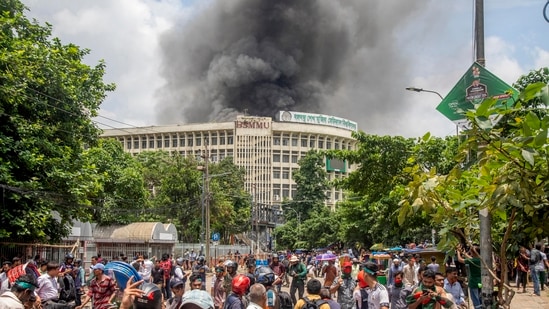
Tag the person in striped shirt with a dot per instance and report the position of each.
(102, 289)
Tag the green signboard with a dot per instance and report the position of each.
(473, 87)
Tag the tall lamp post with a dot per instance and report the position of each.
(424, 90)
(415, 89)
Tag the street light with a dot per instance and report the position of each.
(297, 214)
(424, 90)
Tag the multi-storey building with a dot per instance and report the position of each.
(268, 149)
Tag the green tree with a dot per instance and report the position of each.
(307, 211)
(509, 177)
(312, 183)
(47, 96)
(121, 196)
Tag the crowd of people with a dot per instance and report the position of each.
(311, 281)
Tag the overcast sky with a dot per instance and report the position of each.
(427, 44)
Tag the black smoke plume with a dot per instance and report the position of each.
(261, 56)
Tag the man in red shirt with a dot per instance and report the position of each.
(102, 289)
(166, 265)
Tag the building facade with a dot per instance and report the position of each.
(269, 149)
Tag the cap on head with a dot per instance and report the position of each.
(294, 259)
(176, 282)
(371, 268)
(197, 299)
(347, 264)
(99, 266)
(396, 261)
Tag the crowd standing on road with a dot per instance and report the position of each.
(286, 281)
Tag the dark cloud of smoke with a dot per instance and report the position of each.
(260, 56)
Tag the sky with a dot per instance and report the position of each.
(190, 61)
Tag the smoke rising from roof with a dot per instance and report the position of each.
(262, 56)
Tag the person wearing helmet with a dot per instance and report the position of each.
(239, 287)
(231, 268)
(279, 270)
(217, 291)
(266, 276)
(178, 272)
(67, 266)
(200, 269)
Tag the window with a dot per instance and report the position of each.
(136, 142)
(285, 141)
(174, 141)
(294, 159)
(336, 145)
(198, 141)
(222, 139)
(294, 141)
(144, 143)
(320, 144)
(230, 140)
(336, 196)
(276, 158)
(214, 139)
(158, 142)
(129, 144)
(182, 141)
(286, 158)
(166, 142)
(190, 142)
(312, 143)
(285, 175)
(151, 143)
(276, 174)
(328, 143)
(285, 193)
(276, 141)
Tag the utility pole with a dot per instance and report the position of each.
(485, 218)
(207, 201)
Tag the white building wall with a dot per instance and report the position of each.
(267, 149)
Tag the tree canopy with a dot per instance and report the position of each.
(47, 98)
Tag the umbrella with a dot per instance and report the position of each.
(327, 257)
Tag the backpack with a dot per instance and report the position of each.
(364, 299)
(68, 289)
(285, 300)
(313, 304)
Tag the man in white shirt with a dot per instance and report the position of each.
(146, 268)
(409, 274)
(48, 289)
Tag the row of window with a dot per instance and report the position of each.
(174, 141)
(199, 139)
(281, 194)
(310, 141)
